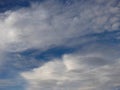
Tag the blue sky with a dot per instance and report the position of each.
(59, 45)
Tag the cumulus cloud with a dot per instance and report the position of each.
(75, 72)
(50, 23)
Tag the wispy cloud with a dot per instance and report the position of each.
(75, 72)
(50, 24)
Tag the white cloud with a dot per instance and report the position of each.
(49, 23)
(74, 72)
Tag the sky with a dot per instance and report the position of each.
(59, 45)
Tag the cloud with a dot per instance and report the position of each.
(7, 82)
(75, 72)
(49, 23)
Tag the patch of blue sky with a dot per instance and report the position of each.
(15, 4)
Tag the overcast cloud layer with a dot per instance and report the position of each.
(91, 26)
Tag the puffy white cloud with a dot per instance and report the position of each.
(75, 72)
